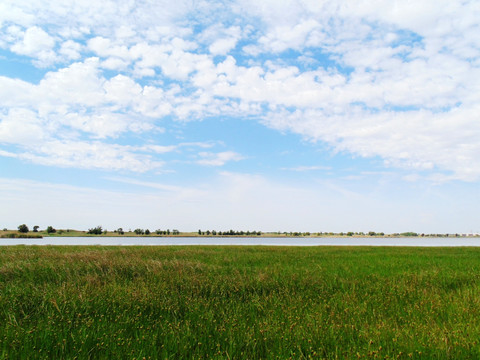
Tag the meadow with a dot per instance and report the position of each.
(239, 302)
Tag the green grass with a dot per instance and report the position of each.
(239, 302)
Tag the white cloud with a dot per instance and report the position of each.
(37, 44)
(113, 63)
(98, 125)
(21, 126)
(222, 46)
(159, 149)
(104, 47)
(10, 12)
(204, 145)
(285, 37)
(90, 155)
(81, 83)
(221, 40)
(124, 32)
(15, 93)
(218, 159)
(399, 81)
(419, 140)
(308, 168)
(122, 90)
(70, 50)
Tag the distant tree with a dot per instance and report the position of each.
(147, 232)
(5, 229)
(120, 231)
(35, 228)
(158, 232)
(372, 233)
(208, 232)
(139, 231)
(199, 232)
(350, 233)
(23, 228)
(50, 230)
(96, 230)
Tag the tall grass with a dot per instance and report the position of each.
(239, 302)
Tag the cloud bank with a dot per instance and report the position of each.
(398, 81)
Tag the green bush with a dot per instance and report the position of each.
(95, 231)
(23, 228)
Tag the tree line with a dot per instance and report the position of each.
(229, 233)
(25, 229)
(98, 230)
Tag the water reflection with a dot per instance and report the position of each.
(283, 241)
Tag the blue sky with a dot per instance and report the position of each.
(271, 115)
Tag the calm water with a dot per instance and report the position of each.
(290, 241)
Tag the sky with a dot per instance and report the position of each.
(272, 115)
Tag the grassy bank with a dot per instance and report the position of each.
(14, 235)
(239, 302)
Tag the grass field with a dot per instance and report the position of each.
(239, 302)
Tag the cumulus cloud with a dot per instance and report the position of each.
(34, 40)
(397, 81)
(221, 40)
(70, 50)
(36, 43)
(21, 127)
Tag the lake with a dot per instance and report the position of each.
(266, 241)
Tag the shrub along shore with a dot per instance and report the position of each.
(239, 302)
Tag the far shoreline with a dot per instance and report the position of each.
(295, 235)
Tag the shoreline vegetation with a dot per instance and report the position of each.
(15, 235)
(99, 231)
(197, 302)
